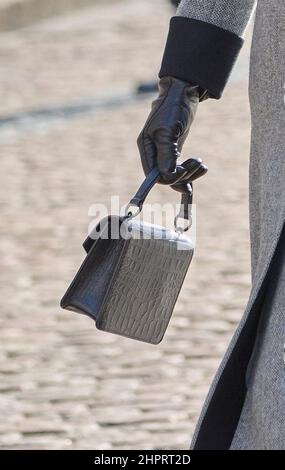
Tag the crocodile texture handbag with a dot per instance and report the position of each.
(133, 272)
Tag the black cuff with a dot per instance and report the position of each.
(201, 53)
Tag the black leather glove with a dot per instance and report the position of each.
(167, 127)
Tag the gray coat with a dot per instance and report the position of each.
(245, 407)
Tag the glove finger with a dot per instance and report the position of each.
(167, 154)
(181, 141)
(191, 166)
(181, 185)
(147, 151)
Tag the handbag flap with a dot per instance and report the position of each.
(88, 288)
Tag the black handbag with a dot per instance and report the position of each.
(133, 272)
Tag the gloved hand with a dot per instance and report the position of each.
(167, 127)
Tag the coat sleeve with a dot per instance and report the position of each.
(204, 40)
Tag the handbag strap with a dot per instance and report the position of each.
(189, 171)
(141, 194)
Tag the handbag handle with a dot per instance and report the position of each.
(141, 194)
(190, 170)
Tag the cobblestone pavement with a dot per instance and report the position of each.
(63, 384)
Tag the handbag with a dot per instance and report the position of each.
(133, 272)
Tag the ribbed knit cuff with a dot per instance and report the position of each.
(200, 53)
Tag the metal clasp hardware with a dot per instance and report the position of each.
(181, 227)
(129, 213)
